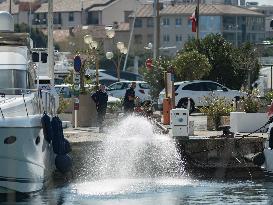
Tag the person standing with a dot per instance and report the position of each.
(100, 98)
(129, 99)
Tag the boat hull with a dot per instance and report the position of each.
(28, 162)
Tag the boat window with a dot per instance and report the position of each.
(11, 78)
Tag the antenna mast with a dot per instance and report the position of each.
(50, 41)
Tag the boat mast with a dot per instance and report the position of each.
(156, 29)
(10, 6)
(50, 41)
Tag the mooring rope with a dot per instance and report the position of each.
(2, 113)
(25, 103)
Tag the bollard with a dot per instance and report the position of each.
(167, 106)
(189, 104)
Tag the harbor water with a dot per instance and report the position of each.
(135, 165)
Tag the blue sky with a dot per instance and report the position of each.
(262, 2)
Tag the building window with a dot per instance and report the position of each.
(138, 23)
(93, 18)
(138, 39)
(189, 23)
(166, 21)
(150, 38)
(178, 37)
(126, 16)
(166, 38)
(190, 37)
(71, 16)
(178, 22)
(150, 22)
(57, 18)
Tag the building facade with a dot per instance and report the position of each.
(71, 13)
(236, 24)
(268, 12)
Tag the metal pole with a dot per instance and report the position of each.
(97, 71)
(236, 30)
(129, 44)
(29, 18)
(271, 77)
(118, 72)
(166, 84)
(249, 79)
(173, 94)
(50, 41)
(10, 6)
(156, 29)
(197, 20)
(76, 118)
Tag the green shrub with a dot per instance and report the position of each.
(215, 107)
(113, 107)
(269, 97)
(63, 105)
(251, 103)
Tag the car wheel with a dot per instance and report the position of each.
(183, 103)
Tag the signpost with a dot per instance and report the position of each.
(77, 63)
(149, 64)
(77, 81)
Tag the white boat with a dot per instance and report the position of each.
(26, 157)
(267, 157)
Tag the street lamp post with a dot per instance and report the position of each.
(121, 50)
(110, 33)
(93, 45)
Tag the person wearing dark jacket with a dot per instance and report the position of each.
(129, 99)
(100, 98)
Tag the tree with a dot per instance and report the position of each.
(191, 65)
(155, 76)
(222, 57)
(38, 37)
(248, 62)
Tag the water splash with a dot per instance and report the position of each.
(133, 150)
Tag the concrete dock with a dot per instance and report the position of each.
(206, 151)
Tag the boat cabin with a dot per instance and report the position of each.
(17, 72)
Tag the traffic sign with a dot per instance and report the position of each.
(76, 106)
(77, 78)
(76, 103)
(76, 93)
(77, 63)
(149, 63)
(76, 87)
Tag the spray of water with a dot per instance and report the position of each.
(132, 159)
(134, 150)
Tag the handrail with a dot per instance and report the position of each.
(45, 100)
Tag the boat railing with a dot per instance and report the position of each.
(48, 102)
(44, 100)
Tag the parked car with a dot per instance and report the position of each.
(109, 76)
(118, 89)
(64, 90)
(196, 91)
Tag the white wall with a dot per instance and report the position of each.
(115, 11)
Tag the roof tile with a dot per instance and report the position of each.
(146, 10)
